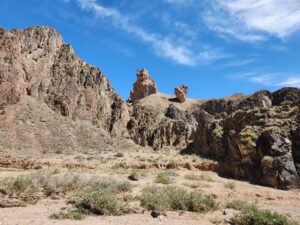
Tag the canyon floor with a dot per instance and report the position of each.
(184, 171)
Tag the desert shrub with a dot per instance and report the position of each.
(253, 216)
(72, 214)
(200, 203)
(136, 174)
(59, 151)
(100, 202)
(236, 204)
(172, 198)
(163, 178)
(119, 154)
(154, 198)
(230, 185)
(218, 131)
(249, 134)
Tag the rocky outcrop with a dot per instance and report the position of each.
(36, 62)
(181, 92)
(257, 141)
(286, 95)
(150, 127)
(144, 86)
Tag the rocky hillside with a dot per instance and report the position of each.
(37, 63)
(50, 99)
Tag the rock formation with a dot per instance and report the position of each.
(36, 62)
(181, 92)
(144, 86)
(256, 139)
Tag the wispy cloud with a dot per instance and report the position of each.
(163, 46)
(270, 79)
(292, 81)
(253, 20)
(238, 63)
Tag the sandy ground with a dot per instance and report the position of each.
(105, 165)
(162, 101)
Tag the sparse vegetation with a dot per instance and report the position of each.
(119, 155)
(294, 110)
(230, 185)
(286, 102)
(163, 119)
(251, 215)
(216, 221)
(218, 131)
(249, 134)
(236, 204)
(51, 182)
(59, 151)
(173, 198)
(163, 178)
(102, 201)
(72, 214)
(135, 175)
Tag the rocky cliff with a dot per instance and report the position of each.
(36, 62)
(256, 137)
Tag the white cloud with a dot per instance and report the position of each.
(290, 82)
(163, 46)
(254, 20)
(270, 79)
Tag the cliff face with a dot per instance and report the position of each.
(255, 137)
(37, 63)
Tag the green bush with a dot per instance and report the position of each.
(100, 202)
(163, 178)
(172, 198)
(251, 215)
(119, 154)
(200, 203)
(218, 131)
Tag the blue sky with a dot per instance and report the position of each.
(216, 47)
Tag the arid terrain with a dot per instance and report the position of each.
(109, 166)
(72, 151)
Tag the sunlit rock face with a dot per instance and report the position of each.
(143, 87)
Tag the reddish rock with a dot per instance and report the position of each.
(181, 92)
(143, 87)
